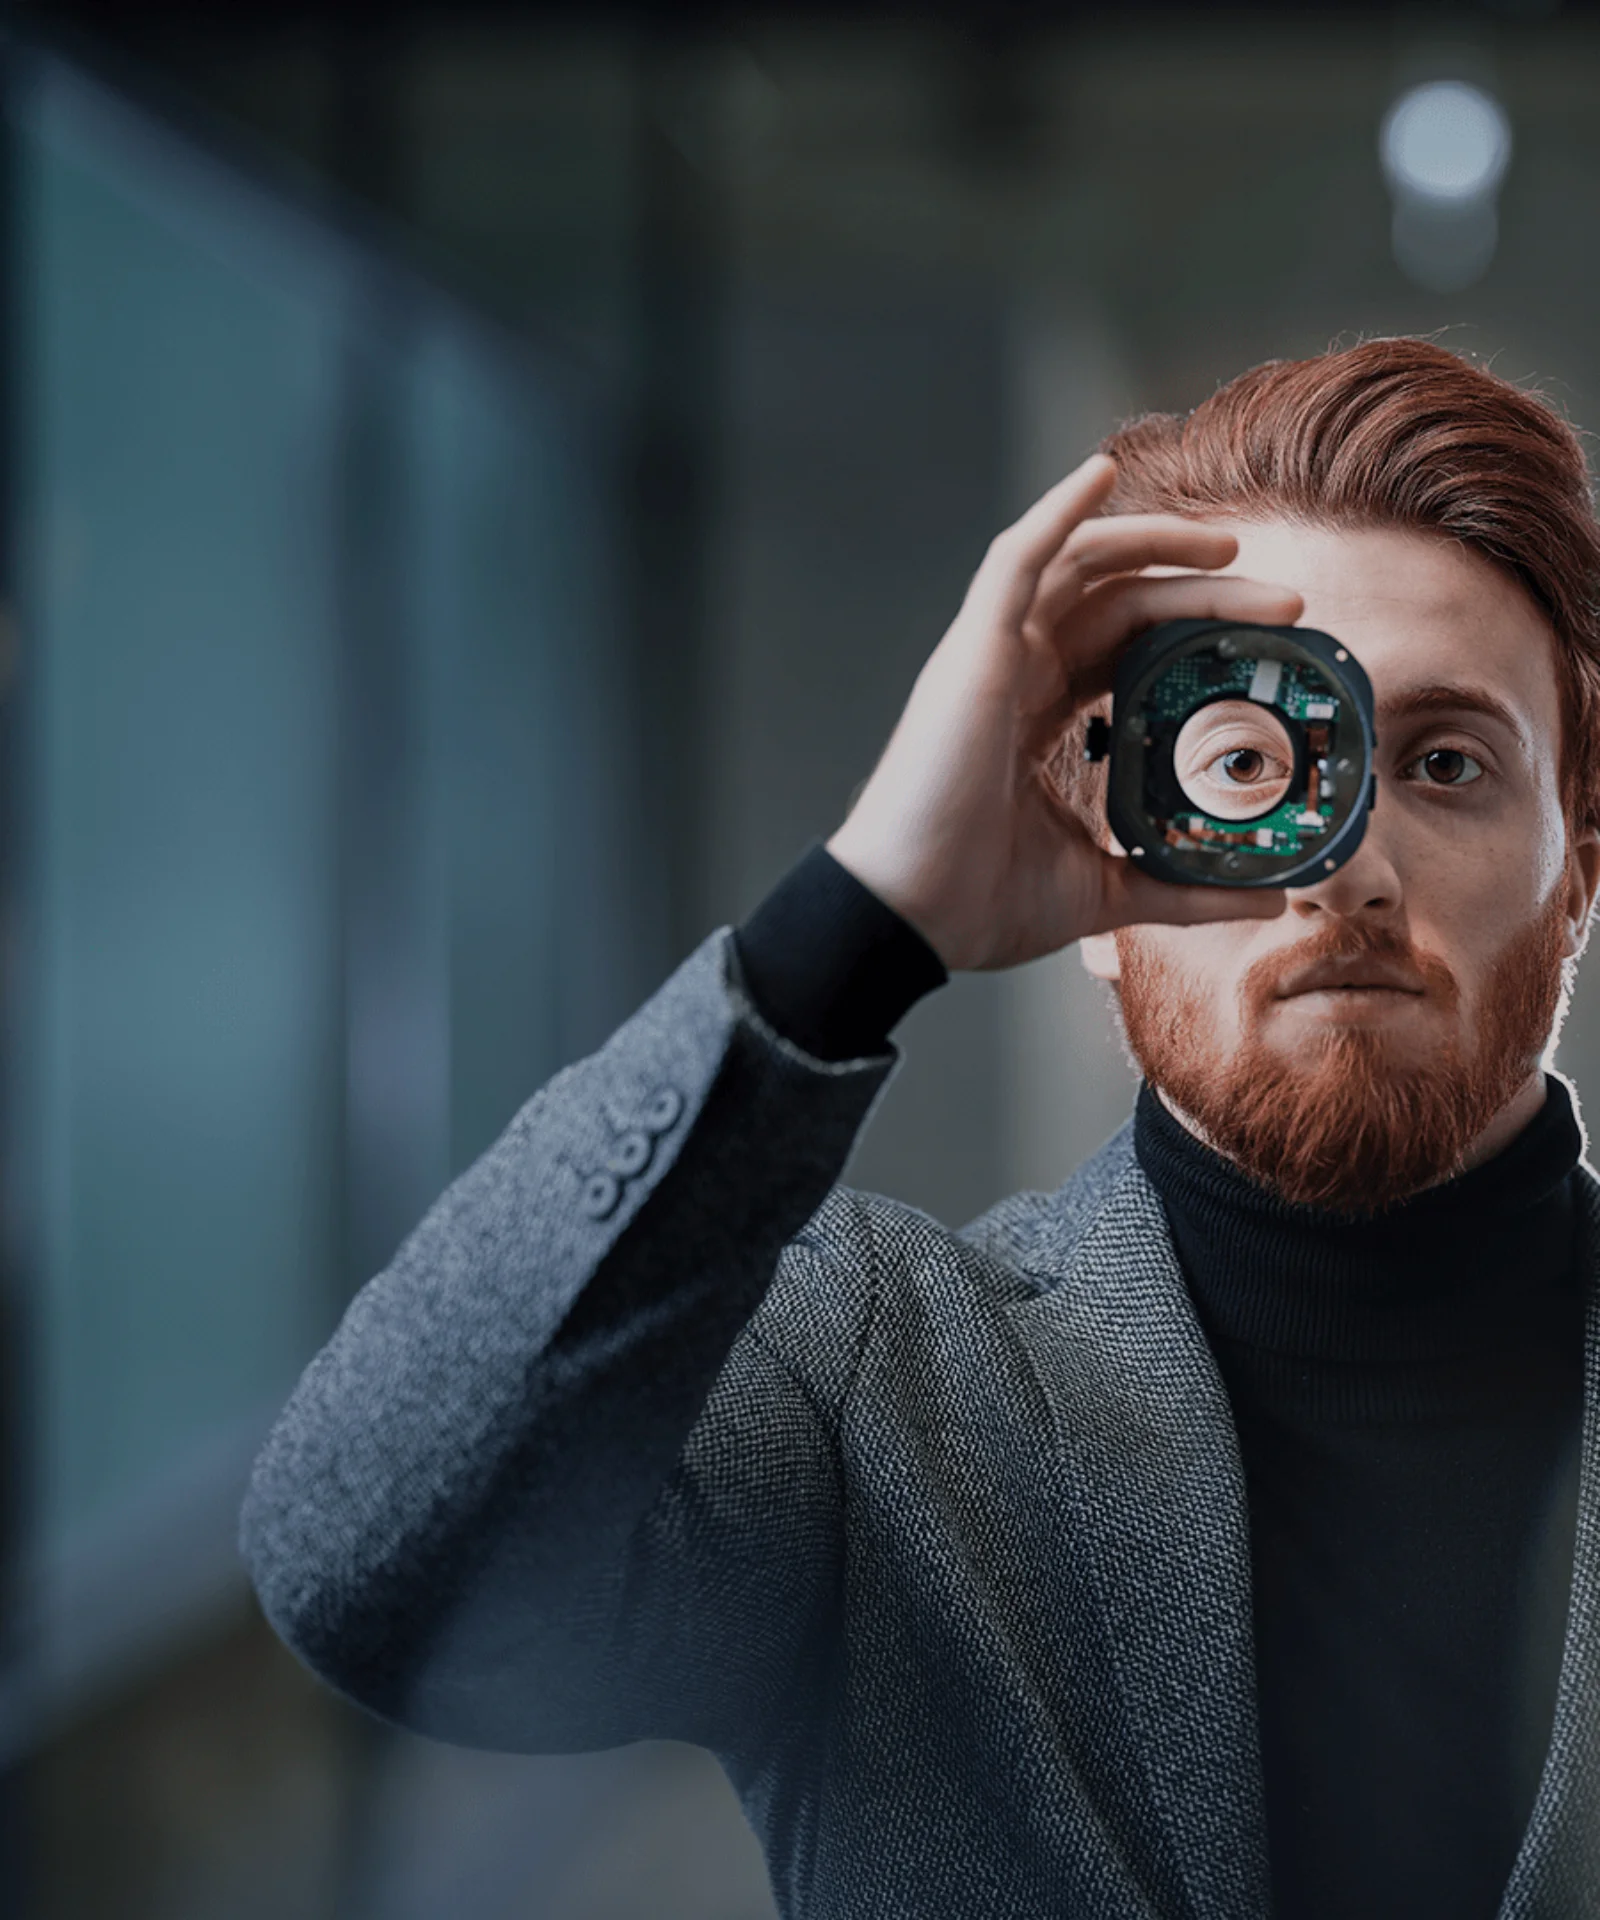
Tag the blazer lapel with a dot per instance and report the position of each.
(1557, 1872)
(1145, 1442)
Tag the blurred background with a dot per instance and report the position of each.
(478, 484)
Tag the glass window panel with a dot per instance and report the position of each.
(182, 360)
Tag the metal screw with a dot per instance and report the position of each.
(1340, 654)
(1329, 865)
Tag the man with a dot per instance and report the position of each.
(1205, 1538)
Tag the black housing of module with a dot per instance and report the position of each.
(1144, 797)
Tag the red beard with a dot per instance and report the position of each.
(1344, 1125)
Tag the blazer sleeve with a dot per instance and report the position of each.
(545, 1488)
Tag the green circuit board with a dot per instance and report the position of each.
(1297, 690)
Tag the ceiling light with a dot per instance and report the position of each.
(1446, 142)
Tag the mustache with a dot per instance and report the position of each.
(1267, 979)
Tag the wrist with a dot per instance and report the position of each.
(830, 965)
(879, 875)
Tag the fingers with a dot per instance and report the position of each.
(1010, 571)
(1117, 608)
(1124, 545)
(1053, 516)
(1127, 542)
(1105, 616)
(1133, 898)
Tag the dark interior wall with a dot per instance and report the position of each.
(816, 404)
(799, 245)
(863, 476)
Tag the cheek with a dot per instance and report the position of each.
(1466, 902)
(1203, 964)
(1550, 843)
(1484, 885)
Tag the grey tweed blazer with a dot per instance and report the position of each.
(938, 1540)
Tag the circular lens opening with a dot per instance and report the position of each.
(1234, 760)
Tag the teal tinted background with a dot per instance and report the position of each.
(321, 876)
(515, 590)
(178, 617)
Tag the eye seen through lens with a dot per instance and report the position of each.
(1234, 760)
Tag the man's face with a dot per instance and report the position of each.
(1387, 1028)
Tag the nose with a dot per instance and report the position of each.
(1367, 886)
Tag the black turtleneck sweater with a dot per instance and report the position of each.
(1407, 1393)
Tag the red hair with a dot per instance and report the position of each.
(1401, 433)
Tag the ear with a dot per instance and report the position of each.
(1098, 952)
(1583, 880)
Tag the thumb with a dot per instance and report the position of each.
(1133, 898)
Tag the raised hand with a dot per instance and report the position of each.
(960, 829)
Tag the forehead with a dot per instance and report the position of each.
(1419, 612)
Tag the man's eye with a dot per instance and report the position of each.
(1245, 765)
(1448, 767)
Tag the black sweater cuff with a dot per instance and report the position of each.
(829, 965)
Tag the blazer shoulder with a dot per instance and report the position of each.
(1042, 1230)
(817, 1314)
(857, 1251)
(1588, 1190)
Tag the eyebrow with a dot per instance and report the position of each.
(1454, 699)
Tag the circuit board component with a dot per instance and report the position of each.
(1294, 689)
(1241, 755)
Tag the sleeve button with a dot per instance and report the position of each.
(662, 1109)
(631, 1154)
(600, 1195)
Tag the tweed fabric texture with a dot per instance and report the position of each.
(938, 1539)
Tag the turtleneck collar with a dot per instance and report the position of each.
(1396, 1315)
